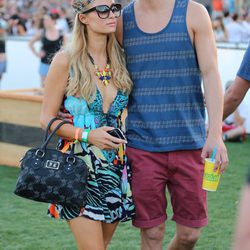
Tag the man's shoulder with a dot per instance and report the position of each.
(128, 8)
(244, 70)
(197, 15)
(197, 8)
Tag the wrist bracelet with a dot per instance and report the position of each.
(85, 135)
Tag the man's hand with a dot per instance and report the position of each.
(221, 153)
(66, 116)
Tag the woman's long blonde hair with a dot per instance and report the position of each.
(80, 80)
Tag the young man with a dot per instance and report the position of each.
(233, 98)
(235, 94)
(168, 43)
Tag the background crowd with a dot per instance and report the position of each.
(230, 18)
(24, 16)
(233, 27)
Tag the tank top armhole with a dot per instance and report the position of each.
(186, 24)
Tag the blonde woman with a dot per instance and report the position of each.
(90, 77)
(51, 41)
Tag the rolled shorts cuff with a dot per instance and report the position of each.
(149, 223)
(190, 223)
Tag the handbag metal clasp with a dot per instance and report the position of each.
(40, 153)
(71, 159)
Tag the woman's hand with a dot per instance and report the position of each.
(101, 139)
(41, 54)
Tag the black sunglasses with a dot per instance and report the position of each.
(103, 11)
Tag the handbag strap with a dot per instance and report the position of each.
(49, 125)
(44, 145)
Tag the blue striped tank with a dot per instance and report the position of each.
(166, 108)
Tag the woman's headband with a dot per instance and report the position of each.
(80, 6)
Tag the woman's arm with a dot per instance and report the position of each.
(55, 85)
(34, 39)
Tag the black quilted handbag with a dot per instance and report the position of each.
(48, 175)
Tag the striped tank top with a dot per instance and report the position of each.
(166, 108)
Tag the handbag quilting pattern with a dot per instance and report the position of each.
(51, 176)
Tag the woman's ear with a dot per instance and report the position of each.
(83, 18)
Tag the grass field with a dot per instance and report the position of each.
(24, 224)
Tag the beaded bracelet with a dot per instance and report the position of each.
(85, 135)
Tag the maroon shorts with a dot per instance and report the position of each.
(181, 172)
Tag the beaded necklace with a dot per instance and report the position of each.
(105, 74)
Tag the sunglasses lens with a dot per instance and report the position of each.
(103, 11)
(116, 9)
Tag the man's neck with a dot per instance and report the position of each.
(158, 12)
(152, 4)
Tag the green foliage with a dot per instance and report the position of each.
(25, 226)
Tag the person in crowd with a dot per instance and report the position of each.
(32, 26)
(235, 30)
(167, 45)
(3, 58)
(246, 25)
(63, 22)
(226, 17)
(91, 74)
(233, 126)
(220, 32)
(51, 41)
(233, 97)
(16, 26)
(217, 7)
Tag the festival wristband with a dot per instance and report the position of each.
(85, 135)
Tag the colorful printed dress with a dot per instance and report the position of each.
(108, 196)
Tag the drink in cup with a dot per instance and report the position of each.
(211, 178)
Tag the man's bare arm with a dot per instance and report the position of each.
(204, 42)
(234, 95)
(205, 46)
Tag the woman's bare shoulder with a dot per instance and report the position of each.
(61, 59)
